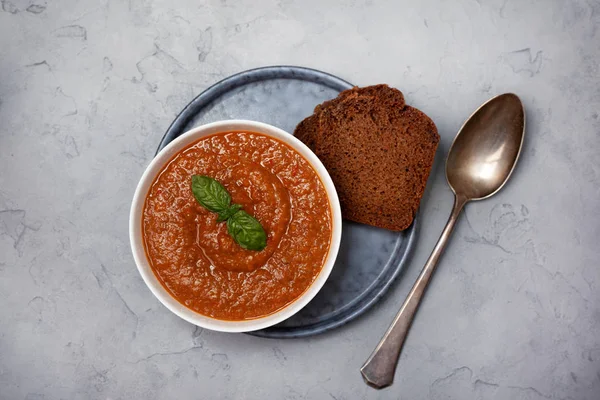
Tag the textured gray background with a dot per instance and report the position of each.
(87, 89)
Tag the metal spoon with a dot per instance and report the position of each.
(480, 161)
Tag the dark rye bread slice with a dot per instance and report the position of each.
(378, 151)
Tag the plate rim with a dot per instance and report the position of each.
(207, 96)
(241, 78)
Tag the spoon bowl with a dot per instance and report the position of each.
(485, 151)
(480, 161)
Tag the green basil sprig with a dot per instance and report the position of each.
(244, 228)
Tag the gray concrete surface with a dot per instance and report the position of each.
(87, 89)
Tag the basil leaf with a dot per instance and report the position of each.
(244, 228)
(247, 231)
(210, 194)
(225, 215)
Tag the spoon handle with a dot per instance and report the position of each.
(378, 371)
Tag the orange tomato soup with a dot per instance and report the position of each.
(196, 259)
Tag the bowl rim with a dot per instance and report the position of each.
(136, 239)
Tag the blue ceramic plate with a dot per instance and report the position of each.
(370, 259)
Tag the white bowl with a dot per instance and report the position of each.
(135, 226)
